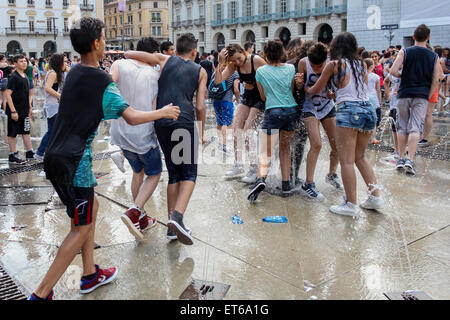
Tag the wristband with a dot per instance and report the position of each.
(14, 112)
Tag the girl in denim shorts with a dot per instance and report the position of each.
(355, 121)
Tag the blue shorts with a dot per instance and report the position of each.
(150, 161)
(284, 119)
(31, 84)
(224, 112)
(356, 115)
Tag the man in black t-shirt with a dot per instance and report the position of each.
(19, 110)
(208, 66)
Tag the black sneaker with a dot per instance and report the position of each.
(423, 143)
(14, 158)
(400, 164)
(258, 187)
(29, 155)
(409, 167)
(172, 235)
(176, 225)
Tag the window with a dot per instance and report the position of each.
(218, 11)
(201, 9)
(233, 34)
(201, 36)
(30, 3)
(302, 28)
(178, 15)
(189, 13)
(140, 7)
(156, 17)
(283, 6)
(156, 31)
(66, 24)
(155, 5)
(233, 10)
(12, 2)
(65, 3)
(115, 20)
(140, 17)
(48, 3)
(248, 8)
(140, 31)
(265, 6)
(49, 24)
(12, 23)
(31, 24)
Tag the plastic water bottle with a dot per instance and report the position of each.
(275, 219)
(236, 219)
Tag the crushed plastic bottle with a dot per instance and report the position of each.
(236, 219)
(275, 219)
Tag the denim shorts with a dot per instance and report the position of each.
(356, 115)
(224, 112)
(284, 119)
(150, 161)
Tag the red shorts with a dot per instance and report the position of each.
(434, 98)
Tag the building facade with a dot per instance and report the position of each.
(218, 22)
(142, 18)
(379, 23)
(41, 27)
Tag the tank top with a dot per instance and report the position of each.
(51, 104)
(177, 84)
(249, 78)
(417, 73)
(379, 71)
(350, 92)
(138, 85)
(318, 104)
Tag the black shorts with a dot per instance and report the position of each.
(21, 126)
(393, 115)
(78, 201)
(180, 155)
(252, 99)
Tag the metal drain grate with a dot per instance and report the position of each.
(39, 166)
(8, 289)
(205, 290)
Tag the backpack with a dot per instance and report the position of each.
(217, 91)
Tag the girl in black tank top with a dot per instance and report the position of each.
(251, 97)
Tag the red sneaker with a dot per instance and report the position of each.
(131, 220)
(104, 276)
(147, 222)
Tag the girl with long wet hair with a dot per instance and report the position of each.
(355, 120)
(53, 84)
(249, 112)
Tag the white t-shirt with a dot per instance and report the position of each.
(373, 79)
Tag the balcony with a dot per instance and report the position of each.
(86, 7)
(27, 31)
(230, 21)
(263, 17)
(322, 11)
(199, 21)
(281, 15)
(246, 19)
(303, 13)
(217, 23)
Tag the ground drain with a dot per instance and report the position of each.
(408, 295)
(205, 290)
(8, 289)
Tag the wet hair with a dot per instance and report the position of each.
(84, 32)
(365, 55)
(274, 51)
(317, 53)
(293, 50)
(56, 63)
(2, 56)
(368, 62)
(148, 44)
(248, 45)
(234, 48)
(166, 45)
(305, 47)
(421, 33)
(18, 57)
(186, 43)
(345, 47)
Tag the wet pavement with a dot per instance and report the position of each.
(316, 255)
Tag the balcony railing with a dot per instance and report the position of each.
(340, 9)
(230, 21)
(87, 7)
(176, 24)
(301, 13)
(322, 11)
(281, 15)
(199, 21)
(27, 31)
(263, 17)
(216, 23)
(246, 19)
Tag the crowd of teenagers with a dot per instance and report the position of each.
(282, 95)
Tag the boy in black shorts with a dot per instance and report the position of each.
(19, 110)
(89, 96)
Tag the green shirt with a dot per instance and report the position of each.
(277, 85)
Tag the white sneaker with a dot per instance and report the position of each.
(372, 203)
(236, 170)
(346, 209)
(118, 159)
(252, 175)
